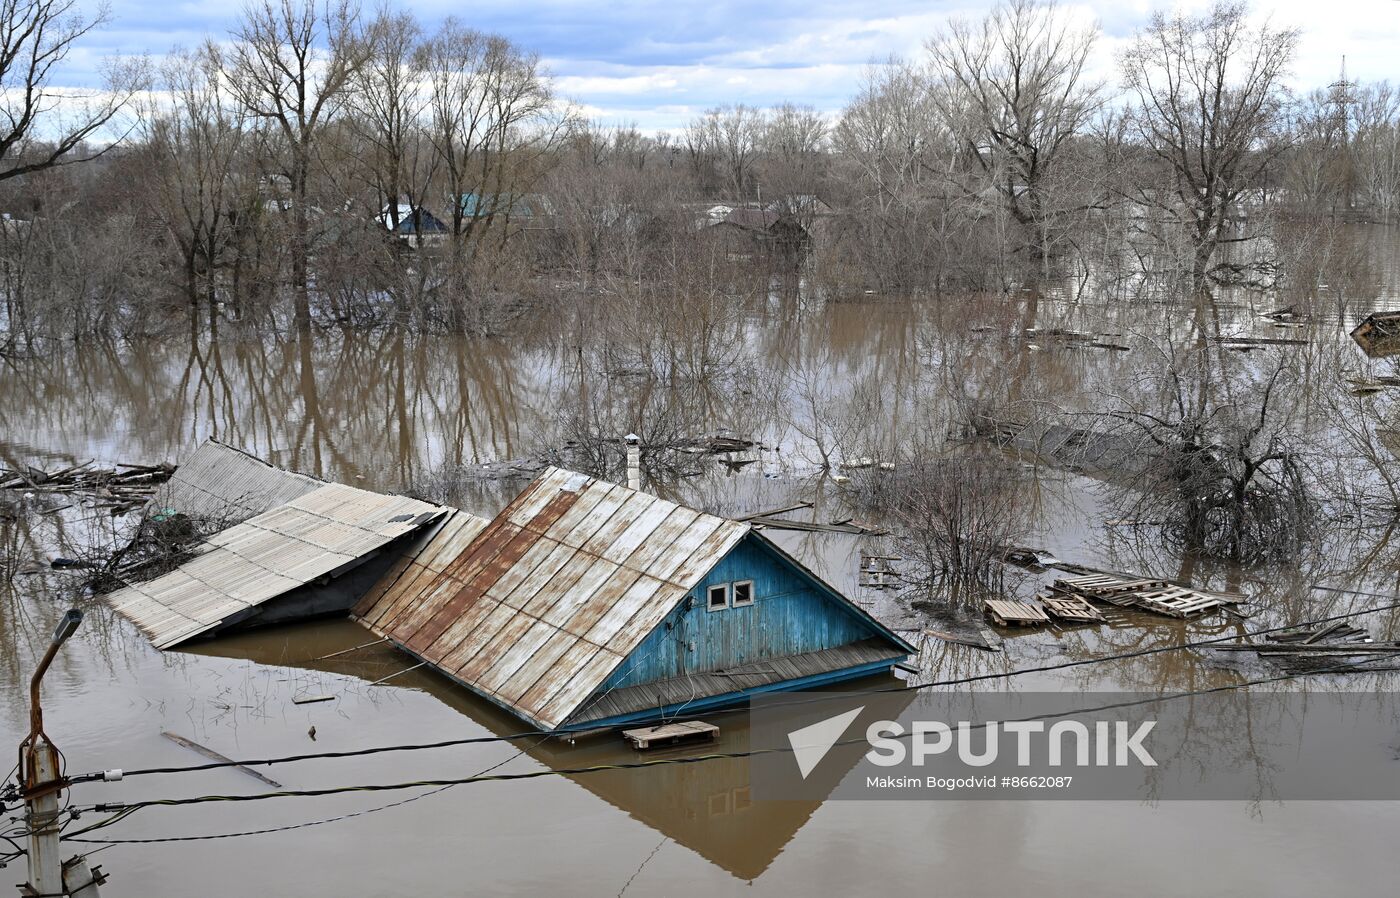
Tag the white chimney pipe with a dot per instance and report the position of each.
(634, 461)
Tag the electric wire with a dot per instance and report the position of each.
(810, 699)
(116, 818)
(630, 765)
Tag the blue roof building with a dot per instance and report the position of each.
(586, 604)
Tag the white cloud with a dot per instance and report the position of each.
(631, 62)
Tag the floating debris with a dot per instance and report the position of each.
(121, 488)
(215, 756)
(1022, 614)
(1071, 608)
(1253, 342)
(312, 699)
(1035, 559)
(670, 734)
(1378, 334)
(1338, 647)
(1157, 596)
(876, 571)
(1071, 339)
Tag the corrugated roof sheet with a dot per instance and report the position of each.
(322, 532)
(220, 482)
(545, 601)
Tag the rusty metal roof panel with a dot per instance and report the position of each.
(266, 556)
(570, 557)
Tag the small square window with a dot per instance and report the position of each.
(717, 597)
(743, 593)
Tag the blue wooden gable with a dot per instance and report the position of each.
(793, 612)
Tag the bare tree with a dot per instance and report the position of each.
(1209, 101)
(43, 127)
(292, 64)
(1222, 459)
(896, 154)
(388, 110)
(1014, 88)
(728, 138)
(193, 146)
(492, 123)
(1376, 147)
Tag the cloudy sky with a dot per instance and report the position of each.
(656, 64)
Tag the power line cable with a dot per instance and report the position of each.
(629, 765)
(956, 681)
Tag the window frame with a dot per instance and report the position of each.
(709, 590)
(734, 594)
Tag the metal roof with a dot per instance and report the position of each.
(323, 532)
(424, 560)
(220, 482)
(544, 602)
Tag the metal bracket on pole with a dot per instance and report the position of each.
(43, 783)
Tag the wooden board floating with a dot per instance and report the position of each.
(1009, 613)
(215, 756)
(670, 733)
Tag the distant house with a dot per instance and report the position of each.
(587, 604)
(802, 206)
(417, 226)
(760, 231)
(527, 209)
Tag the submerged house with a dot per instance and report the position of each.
(749, 231)
(416, 225)
(586, 604)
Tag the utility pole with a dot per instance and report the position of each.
(42, 783)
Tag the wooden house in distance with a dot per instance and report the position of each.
(586, 604)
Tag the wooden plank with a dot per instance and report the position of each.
(215, 756)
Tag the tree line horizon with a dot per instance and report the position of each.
(270, 177)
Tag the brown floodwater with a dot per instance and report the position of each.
(386, 412)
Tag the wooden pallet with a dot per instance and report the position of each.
(1009, 613)
(1071, 608)
(670, 733)
(1176, 601)
(1104, 585)
(1156, 596)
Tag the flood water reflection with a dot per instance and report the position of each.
(812, 385)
